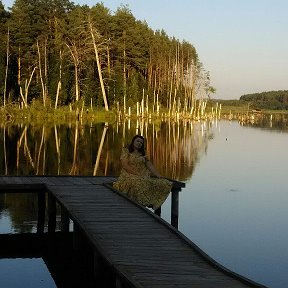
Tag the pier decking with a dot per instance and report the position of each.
(140, 248)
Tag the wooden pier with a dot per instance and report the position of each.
(137, 247)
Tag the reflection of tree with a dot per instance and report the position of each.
(73, 170)
(277, 122)
(174, 148)
(100, 150)
(57, 145)
(30, 150)
(4, 151)
(78, 149)
(26, 148)
(42, 145)
(23, 211)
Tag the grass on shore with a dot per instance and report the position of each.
(39, 114)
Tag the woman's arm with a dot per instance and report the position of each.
(152, 169)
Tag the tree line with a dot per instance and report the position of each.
(275, 100)
(56, 53)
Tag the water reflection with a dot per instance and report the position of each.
(276, 122)
(21, 273)
(43, 260)
(20, 209)
(242, 204)
(94, 149)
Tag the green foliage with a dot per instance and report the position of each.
(274, 100)
(52, 52)
(4, 16)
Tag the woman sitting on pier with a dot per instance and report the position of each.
(139, 179)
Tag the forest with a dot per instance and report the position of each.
(274, 100)
(55, 53)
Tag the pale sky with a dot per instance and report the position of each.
(243, 44)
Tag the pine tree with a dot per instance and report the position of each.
(4, 16)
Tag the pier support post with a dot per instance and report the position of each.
(104, 274)
(77, 238)
(175, 207)
(97, 264)
(51, 213)
(119, 283)
(65, 220)
(158, 211)
(176, 188)
(41, 212)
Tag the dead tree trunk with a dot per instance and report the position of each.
(24, 95)
(60, 80)
(92, 32)
(43, 84)
(74, 54)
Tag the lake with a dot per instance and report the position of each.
(234, 203)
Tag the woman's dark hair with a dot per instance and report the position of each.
(131, 146)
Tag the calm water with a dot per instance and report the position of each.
(22, 273)
(235, 203)
(233, 206)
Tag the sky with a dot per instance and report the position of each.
(243, 44)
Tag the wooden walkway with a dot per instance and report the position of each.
(141, 249)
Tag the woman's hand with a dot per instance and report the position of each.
(153, 170)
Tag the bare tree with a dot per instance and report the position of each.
(72, 47)
(24, 95)
(43, 78)
(94, 35)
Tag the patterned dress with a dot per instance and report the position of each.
(142, 188)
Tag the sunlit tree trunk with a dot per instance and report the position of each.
(92, 32)
(42, 78)
(19, 67)
(60, 80)
(73, 50)
(6, 70)
(24, 95)
(108, 62)
(150, 70)
(124, 73)
(176, 79)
